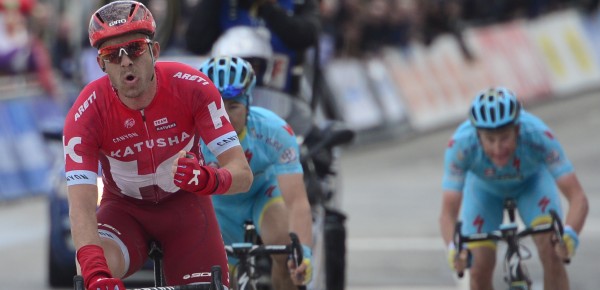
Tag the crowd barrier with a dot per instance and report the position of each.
(553, 56)
(25, 160)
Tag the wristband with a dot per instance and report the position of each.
(306, 252)
(93, 264)
(571, 239)
(219, 180)
(224, 178)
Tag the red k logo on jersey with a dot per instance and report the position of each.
(217, 113)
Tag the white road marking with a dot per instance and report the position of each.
(395, 244)
(400, 288)
(21, 236)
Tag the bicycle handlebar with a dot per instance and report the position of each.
(243, 250)
(239, 250)
(215, 284)
(508, 234)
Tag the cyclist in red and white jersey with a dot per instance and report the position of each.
(143, 123)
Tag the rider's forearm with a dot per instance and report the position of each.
(447, 224)
(82, 215)
(242, 178)
(301, 220)
(578, 204)
(449, 215)
(578, 210)
(295, 198)
(234, 161)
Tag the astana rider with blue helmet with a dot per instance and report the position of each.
(277, 202)
(503, 151)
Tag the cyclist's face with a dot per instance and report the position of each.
(129, 64)
(499, 145)
(237, 115)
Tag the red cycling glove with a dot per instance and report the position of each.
(201, 180)
(95, 271)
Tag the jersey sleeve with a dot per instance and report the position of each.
(212, 120)
(80, 141)
(455, 167)
(283, 147)
(554, 157)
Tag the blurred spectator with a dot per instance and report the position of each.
(440, 17)
(21, 49)
(347, 22)
(294, 27)
(387, 23)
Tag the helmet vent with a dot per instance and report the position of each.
(244, 74)
(492, 115)
(131, 10)
(482, 113)
(100, 17)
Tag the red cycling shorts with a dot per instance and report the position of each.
(184, 225)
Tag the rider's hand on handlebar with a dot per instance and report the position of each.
(94, 269)
(107, 283)
(191, 175)
(566, 250)
(302, 274)
(459, 262)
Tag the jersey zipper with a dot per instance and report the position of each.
(156, 197)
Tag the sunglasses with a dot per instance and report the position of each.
(133, 49)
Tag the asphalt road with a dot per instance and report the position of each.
(391, 194)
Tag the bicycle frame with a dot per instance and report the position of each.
(516, 275)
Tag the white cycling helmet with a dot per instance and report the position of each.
(251, 43)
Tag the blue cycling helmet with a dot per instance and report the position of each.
(494, 108)
(233, 77)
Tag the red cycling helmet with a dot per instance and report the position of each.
(118, 18)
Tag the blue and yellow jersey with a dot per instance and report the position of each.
(269, 144)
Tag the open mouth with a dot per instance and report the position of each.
(129, 78)
(500, 160)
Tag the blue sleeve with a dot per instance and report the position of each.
(554, 157)
(283, 147)
(455, 167)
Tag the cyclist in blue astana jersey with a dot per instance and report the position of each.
(504, 151)
(277, 202)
